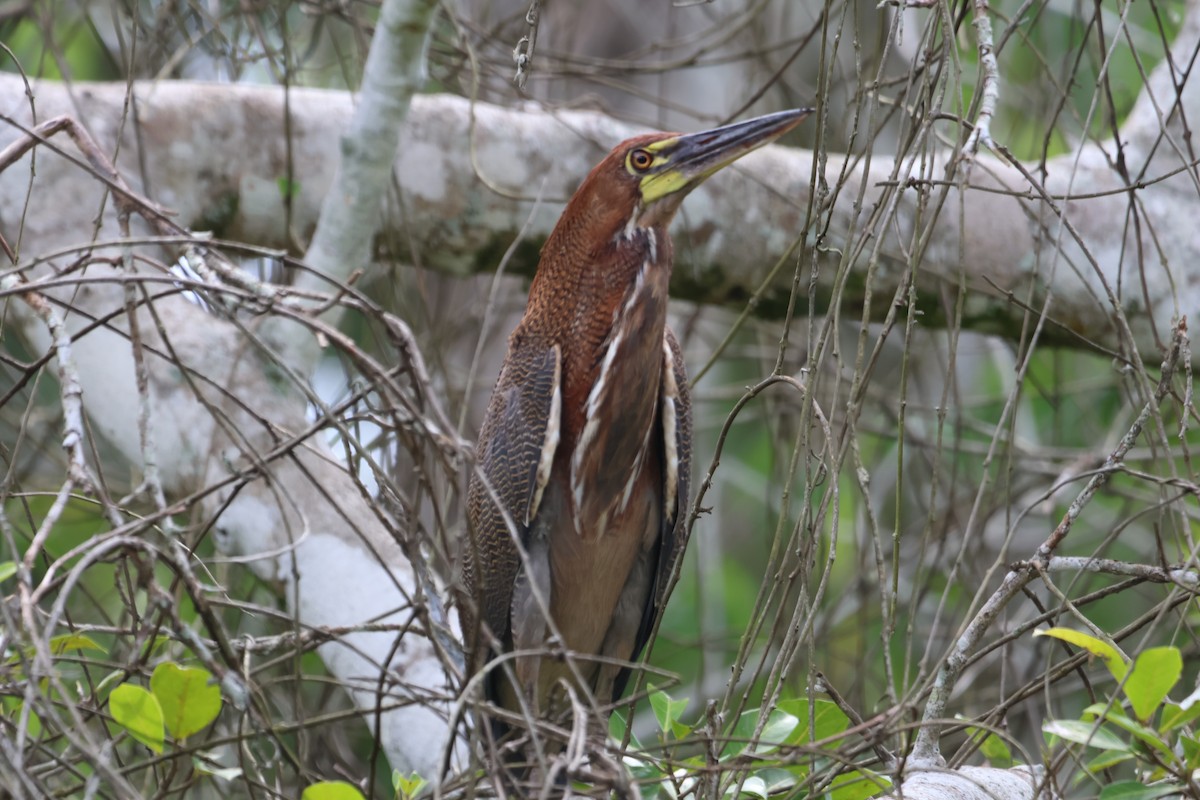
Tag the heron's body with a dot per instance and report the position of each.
(584, 455)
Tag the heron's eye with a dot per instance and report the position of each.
(641, 160)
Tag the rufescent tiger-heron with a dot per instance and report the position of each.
(578, 500)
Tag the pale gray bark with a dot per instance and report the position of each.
(973, 783)
(468, 176)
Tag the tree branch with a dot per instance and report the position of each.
(468, 176)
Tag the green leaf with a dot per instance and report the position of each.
(58, 646)
(668, 712)
(1084, 733)
(332, 790)
(617, 727)
(858, 785)
(189, 699)
(137, 711)
(1176, 716)
(780, 726)
(72, 641)
(102, 687)
(827, 720)
(787, 724)
(661, 705)
(1190, 748)
(1146, 734)
(753, 786)
(994, 749)
(738, 738)
(7, 570)
(1107, 759)
(1132, 790)
(407, 787)
(649, 775)
(1112, 657)
(1155, 672)
(776, 780)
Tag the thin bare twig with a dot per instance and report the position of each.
(925, 749)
